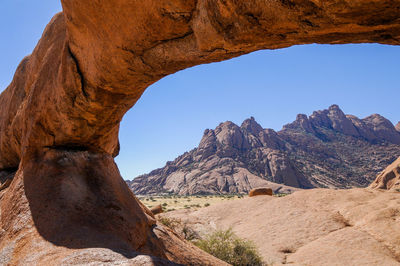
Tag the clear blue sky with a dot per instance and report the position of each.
(272, 86)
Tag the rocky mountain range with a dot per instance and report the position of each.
(327, 149)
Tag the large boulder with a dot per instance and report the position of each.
(60, 116)
(157, 209)
(260, 192)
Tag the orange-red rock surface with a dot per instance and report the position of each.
(260, 191)
(389, 178)
(60, 116)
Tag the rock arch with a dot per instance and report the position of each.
(61, 113)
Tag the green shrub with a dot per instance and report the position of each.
(226, 246)
(207, 204)
(172, 223)
(280, 195)
(189, 233)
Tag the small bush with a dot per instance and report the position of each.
(171, 223)
(226, 246)
(165, 204)
(280, 195)
(189, 233)
(287, 250)
(207, 204)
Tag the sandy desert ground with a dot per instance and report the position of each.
(312, 227)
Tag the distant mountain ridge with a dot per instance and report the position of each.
(326, 149)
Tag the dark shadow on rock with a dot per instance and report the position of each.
(6, 176)
(79, 200)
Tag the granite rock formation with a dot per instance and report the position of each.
(60, 116)
(327, 149)
(398, 127)
(389, 178)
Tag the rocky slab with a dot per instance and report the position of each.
(310, 227)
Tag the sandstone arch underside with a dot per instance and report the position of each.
(61, 113)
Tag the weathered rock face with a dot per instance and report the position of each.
(93, 63)
(333, 118)
(306, 153)
(389, 178)
(382, 128)
(63, 201)
(398, 127)
(229, 159)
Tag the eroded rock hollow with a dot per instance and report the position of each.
(61, 113)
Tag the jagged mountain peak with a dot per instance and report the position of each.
(305, 153)
(335, 107)
(333, 118)
(251, 126)
(302, 122)
(377, 119)
(226, 124)
(382, 128)
(372, 128)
